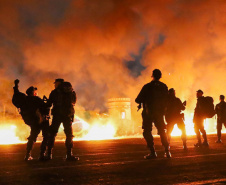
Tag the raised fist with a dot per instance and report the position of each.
(16, 82)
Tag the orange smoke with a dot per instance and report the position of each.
(91, 43)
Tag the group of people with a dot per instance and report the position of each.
(35, 113)
(155, 98)
(159, 102)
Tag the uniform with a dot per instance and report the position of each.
(63, 102)
(34, 113)
(199, 120)
(221, 117)
(173, 116)
(153, 96)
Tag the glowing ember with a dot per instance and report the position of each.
(8, 135)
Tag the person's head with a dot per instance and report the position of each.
(199, 93)
(32, 91)
(58, 82)
(222, 97)
(156, 74)
(172, 92)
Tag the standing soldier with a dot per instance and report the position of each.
(63, 99)
(173, 116)
(199, 117)
(35, 114)
(221, 117)
(153, 97)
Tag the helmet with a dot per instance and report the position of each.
(30, 90)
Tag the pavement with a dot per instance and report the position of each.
(117, 161)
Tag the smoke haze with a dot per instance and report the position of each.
(109, 48)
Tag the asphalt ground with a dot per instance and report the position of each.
(117, 162)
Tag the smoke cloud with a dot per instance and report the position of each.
(109, 48)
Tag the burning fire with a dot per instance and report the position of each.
(101, 130)
(98, 131)
(8, 135)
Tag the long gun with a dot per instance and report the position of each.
(47, 109)
(139, 107)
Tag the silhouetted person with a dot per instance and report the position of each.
(221, 117)
(63, 99)
(35, 114)
(153, 97)
(199, 117)
(174, 116)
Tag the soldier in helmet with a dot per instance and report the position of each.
(199, 118)
(35, 114)
(153, 98)
(63, 99)
(173, 116)
(221, 116)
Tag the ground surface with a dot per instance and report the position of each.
(117, 162)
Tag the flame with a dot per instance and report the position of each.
(98, 131)
(8, 135)
(189, 125)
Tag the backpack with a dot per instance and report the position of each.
(66, 99)
(208, 107)
(19, 100)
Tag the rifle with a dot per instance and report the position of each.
(139, 107)
(46, 110)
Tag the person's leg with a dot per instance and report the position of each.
(45, 135)
(147, 133)
(35, 130)
(160, 125)
(181, 126)
(67, 122)
(202, 130)
(53, 130)
(170, 126)
(197, 132)
(219, 128)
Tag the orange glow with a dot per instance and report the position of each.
(8, 135)
(98, 131)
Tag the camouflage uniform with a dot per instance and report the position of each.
(153, 96)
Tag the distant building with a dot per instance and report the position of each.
(120, 112)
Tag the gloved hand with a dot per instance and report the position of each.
(16, 82)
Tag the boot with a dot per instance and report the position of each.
(199, 144)
(152, 155)
(167, 152)
(28, 157)
(70, 156)
(49, 155)
(205, 143)
(28, 153)
(219, 141)
(185, 145)
(42, 156)
(219, 136)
